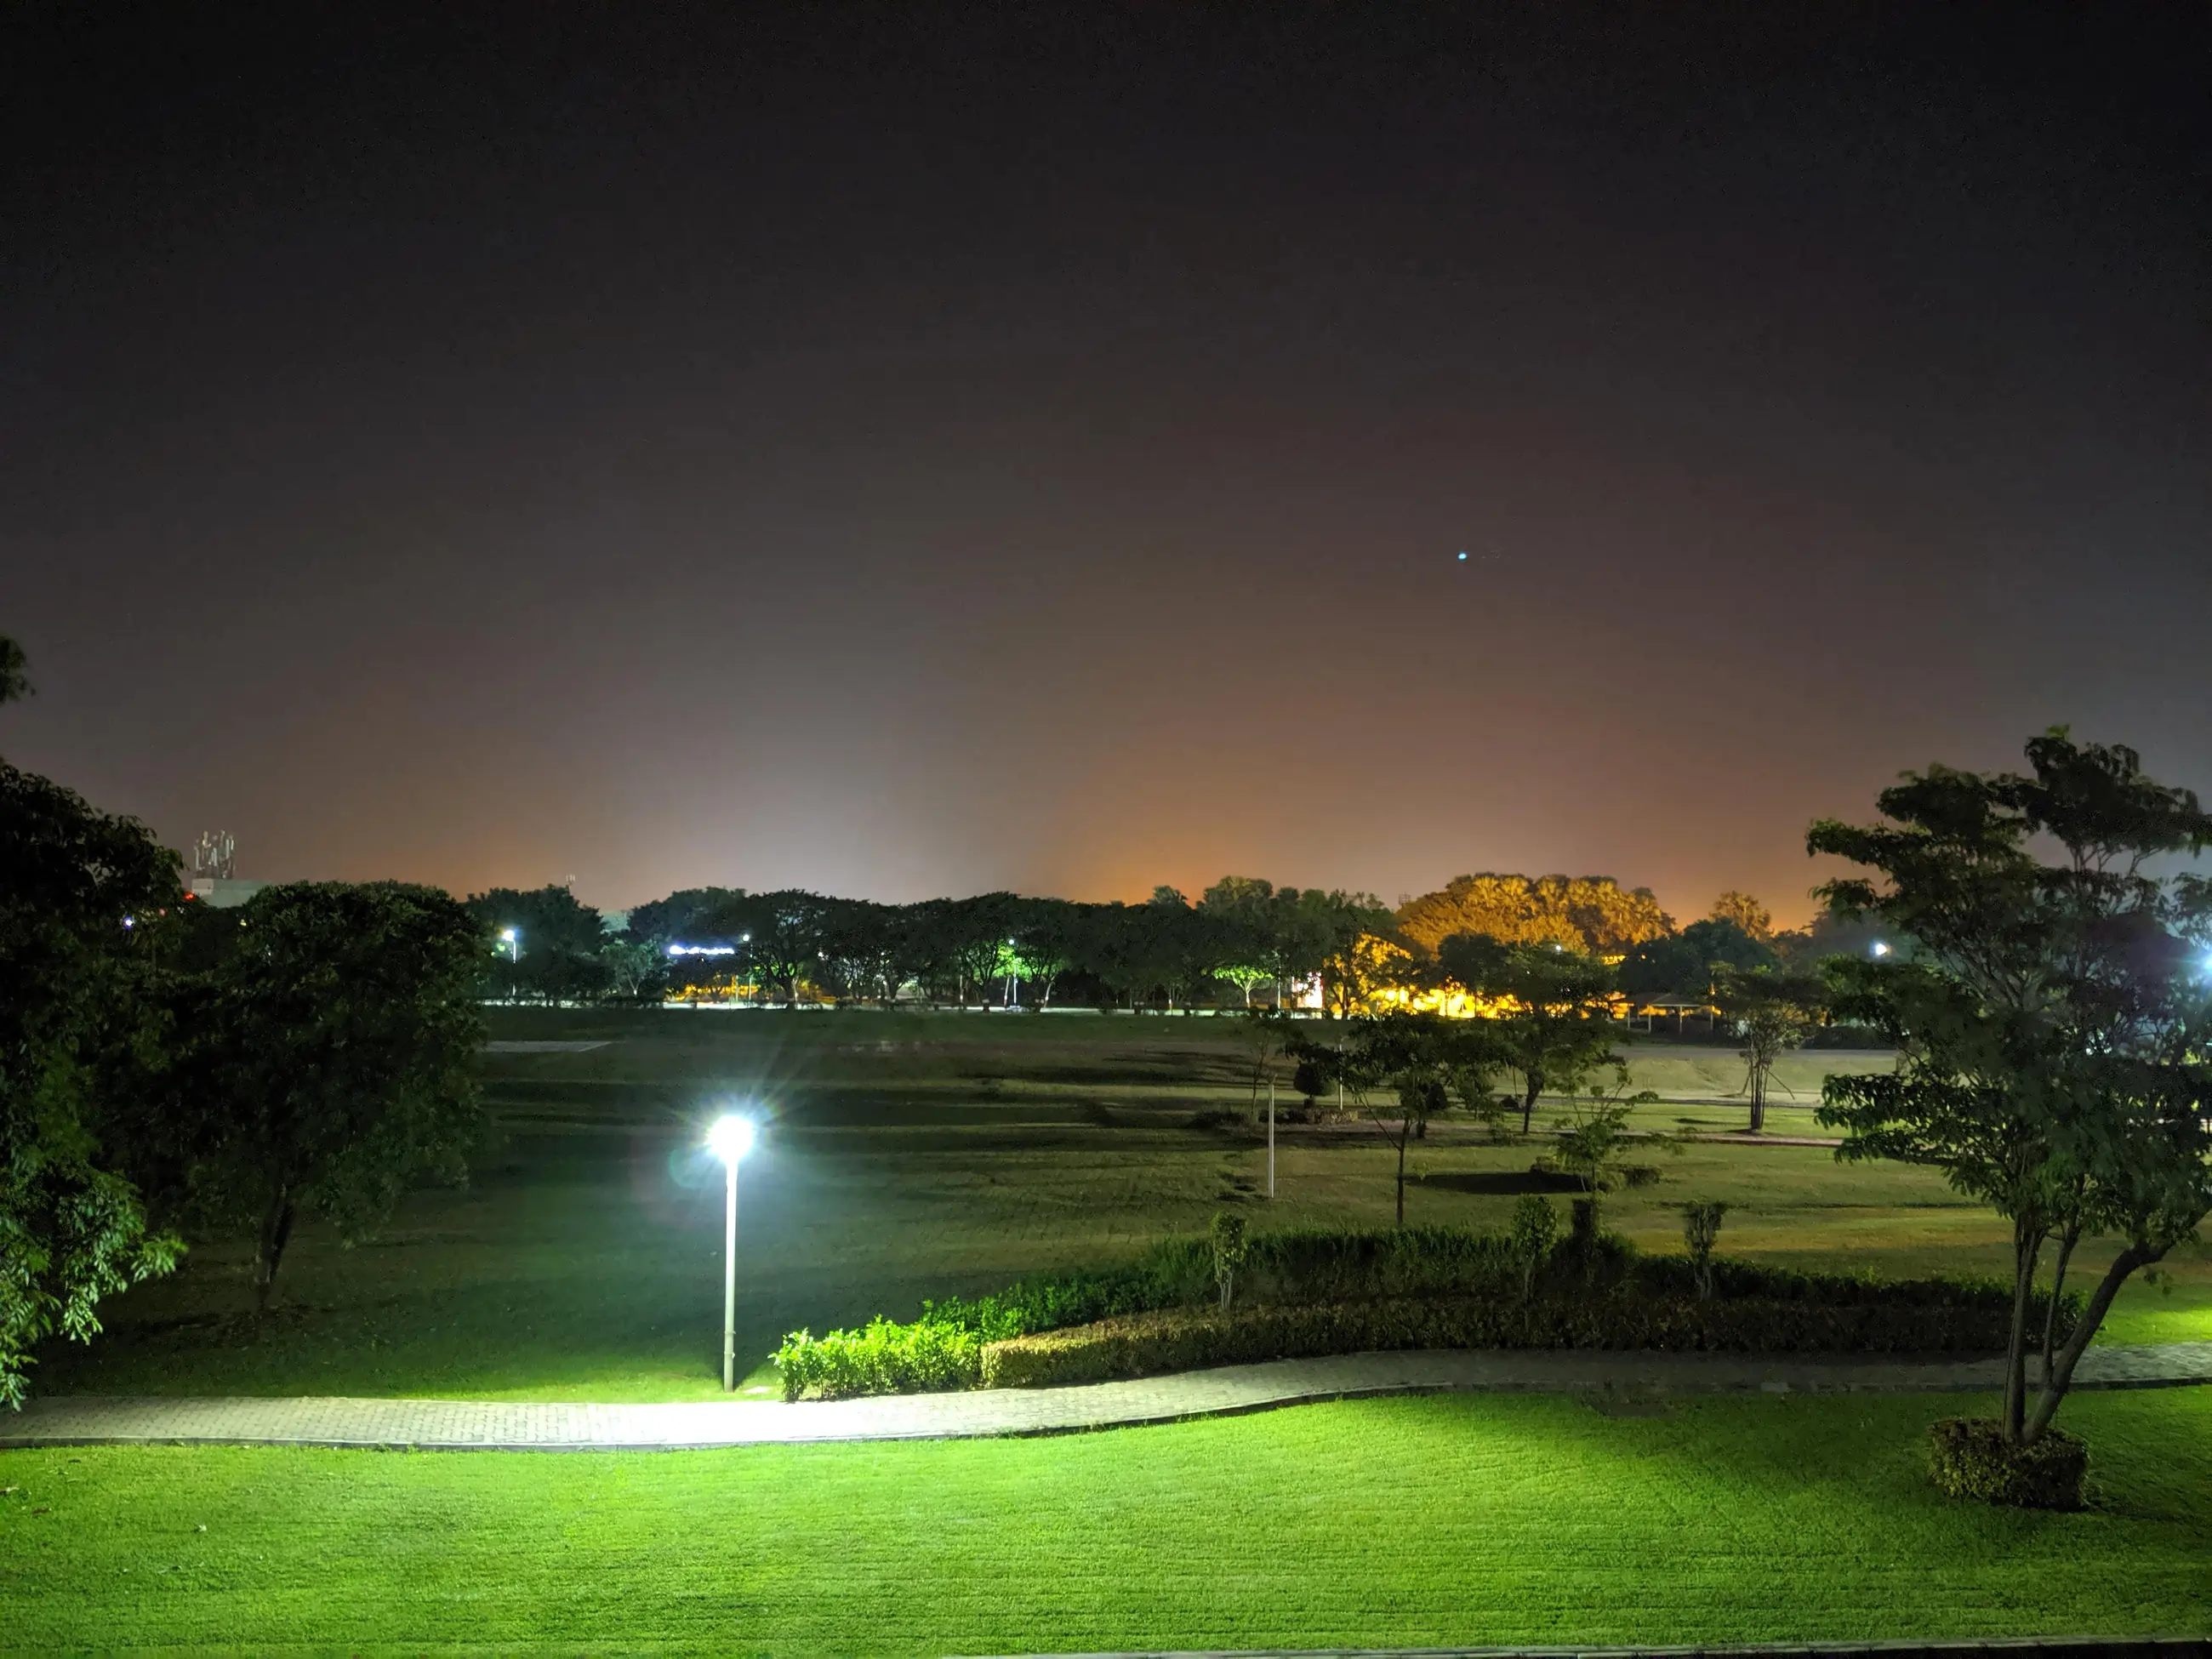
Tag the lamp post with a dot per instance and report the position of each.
(730, 1139)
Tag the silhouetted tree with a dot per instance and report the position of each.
(2053, 1020)
(84, 898)
(1558, 1025)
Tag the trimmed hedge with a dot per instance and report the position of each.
(1145, 1345)
(1968, 1457)
(1600, 1294)
(942, 1349)
(923, 1357)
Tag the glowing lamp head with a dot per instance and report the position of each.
(1880, 948)
(507, 936)
(731, 1137)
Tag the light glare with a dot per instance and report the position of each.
(731, 1137)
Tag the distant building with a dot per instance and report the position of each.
(214, 880)
(223, 893)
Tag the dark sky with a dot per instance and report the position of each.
(908, 452)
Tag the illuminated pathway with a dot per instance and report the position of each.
(1625, 1379)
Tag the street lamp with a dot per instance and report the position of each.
(730, 1139)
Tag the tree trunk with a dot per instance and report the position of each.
(2067, 1241)
(1529, 1100)
(1758, 1098)
(1404, 1127)
(2027, 1235)
(275, 1233)
(2100, 1302)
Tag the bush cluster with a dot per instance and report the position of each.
(1145, 1345)
(882, 1357)
(1587, 1292)
(1968, 1457)
(943, 1349)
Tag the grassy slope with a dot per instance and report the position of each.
(1414, 1522)
(912, 1155)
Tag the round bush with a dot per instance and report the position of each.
(1968, 1457)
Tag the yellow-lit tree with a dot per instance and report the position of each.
(1746, 913)
(1589, 913)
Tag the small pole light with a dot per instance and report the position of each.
(730, 1139)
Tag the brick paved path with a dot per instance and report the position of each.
(499, 1425)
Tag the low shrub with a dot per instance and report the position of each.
(924, 1357)
(1968, 1457)
(943, 1349)
(1143, 1344)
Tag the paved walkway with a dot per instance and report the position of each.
(91, 1419)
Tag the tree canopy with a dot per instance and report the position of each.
(2053, 1016)
(558, 952)
(1686, 964)
(85, 903)
(1746, 913)
(1771, 1013)
(1558, 1022)
(1589, 913)
(330, 1063)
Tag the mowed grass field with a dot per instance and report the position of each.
(1416, 1522)
(912, 1155)
(909, 1156)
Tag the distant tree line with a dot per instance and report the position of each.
(1244, 943)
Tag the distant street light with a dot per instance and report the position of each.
(730, 1139)
(512, 938)
(1880, 948)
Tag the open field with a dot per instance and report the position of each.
(912, 1155)
(1453, 1519)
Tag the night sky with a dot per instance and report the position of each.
(901, 453)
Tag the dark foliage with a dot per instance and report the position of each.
(1970, 1457)
(1597, 1293)
(87, 902)
(1189, 1338)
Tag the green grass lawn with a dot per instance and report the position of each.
(911, 1155)
(1429, 1521)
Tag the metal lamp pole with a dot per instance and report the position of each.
(730, 1139)
(730, 1283)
